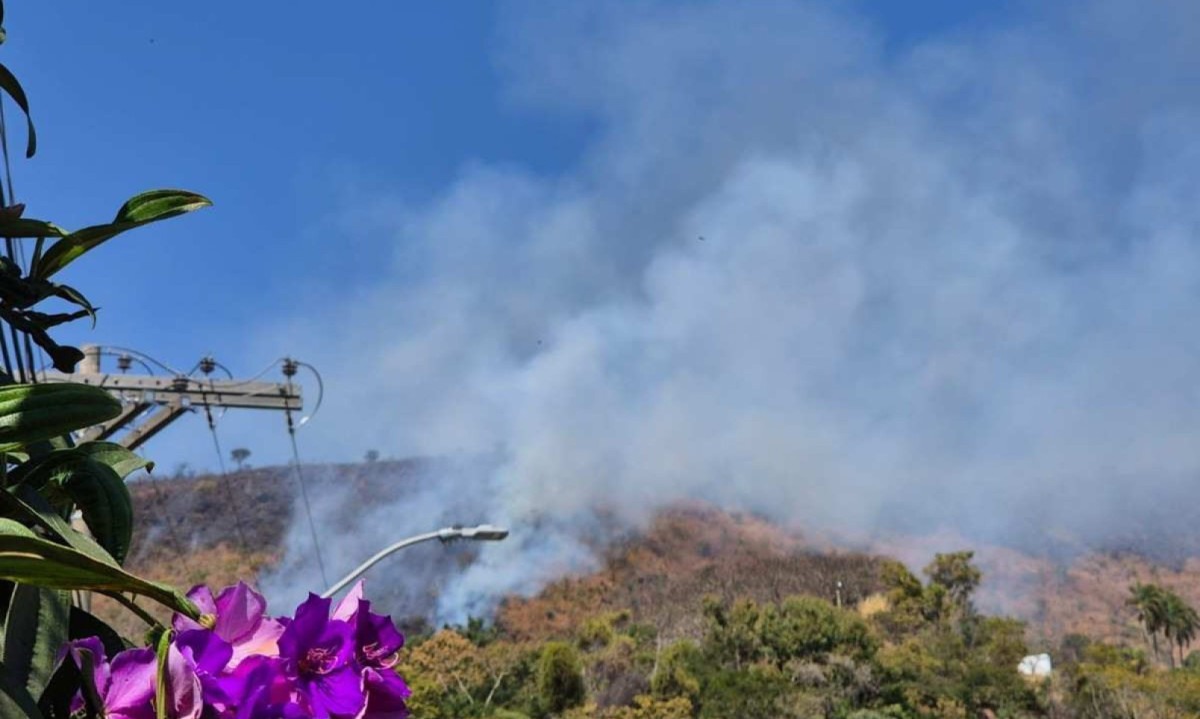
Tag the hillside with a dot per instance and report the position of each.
(214, 530)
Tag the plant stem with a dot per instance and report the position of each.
(133, 607)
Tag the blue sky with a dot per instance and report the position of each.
(281, 116)
(277, 116)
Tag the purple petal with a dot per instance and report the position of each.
(349, 604)
(184, 686)
(306, 628)
(259, 707)
(208, 652)
(338, 693)
(386, 695)
(263, 691)
(239, 612)
(202, 597)
(263, 641)
(100, 669)
(131, 688)
(377, 638)
(253, 673)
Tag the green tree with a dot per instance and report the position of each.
(732, 635)
(808, 627)
(751, 694)
(955, 573)
(1149, 602)
(678, 672)
(1180, 622)
(560, 677)
(239, 456)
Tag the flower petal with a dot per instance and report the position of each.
(100, 668)
(386, 695)
(264, 640)
(349, 604)
(306, 628)
(239, 612)
(131, 688)
(208, 652)
(186, 700)
(339, 692)
(202, 597)
(377, 638)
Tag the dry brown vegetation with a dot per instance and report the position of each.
(662, 574)
(188, 534)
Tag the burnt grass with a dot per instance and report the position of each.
(219, 529)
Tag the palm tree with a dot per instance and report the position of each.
(1181, 622)
(1150, 603)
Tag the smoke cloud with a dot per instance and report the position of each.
(797, 271)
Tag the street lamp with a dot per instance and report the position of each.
(481, 533)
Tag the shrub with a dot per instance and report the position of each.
(560, 677)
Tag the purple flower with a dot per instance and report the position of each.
(387, 695)
(186, 700)
(376, 646)
(238, 617)
(262, 691)
(126, 687)
(208, 656)
(318, 656)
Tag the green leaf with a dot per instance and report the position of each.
(75, 297)
(23, 227)
(90, 477)
(123, 461)
(35, 629)
(162, 690)
(159, 205)
(140, 210)
(32, 412)
(27, 558)
(10, 84)
(15, 701)
(31, 509)
(55, 702)
(107, 508)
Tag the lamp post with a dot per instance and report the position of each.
(481, 533)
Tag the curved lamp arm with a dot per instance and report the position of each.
(481, 533)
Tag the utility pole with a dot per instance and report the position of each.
(150, 402)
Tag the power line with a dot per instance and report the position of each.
(312, 526)
(225, 482)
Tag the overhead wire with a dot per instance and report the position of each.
(225, 481)
(289, 371)
(207, 364)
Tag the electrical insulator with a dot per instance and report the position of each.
(124, 362)
(290, 367)
(207, 365)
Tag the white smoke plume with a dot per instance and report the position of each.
(798, 271)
